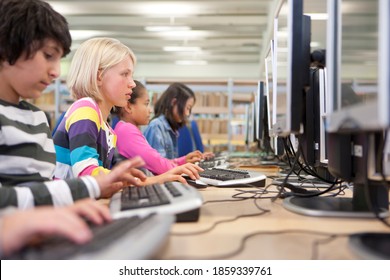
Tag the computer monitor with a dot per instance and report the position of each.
(251, 122)
(270, 85)
(262, 122)
(313, 140)
(292, 65)
(259, 113)
(358, 76)
(309, 140)
(315, 106)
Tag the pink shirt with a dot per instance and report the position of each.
(131, 142)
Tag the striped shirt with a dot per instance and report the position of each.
(27, 162)
(84, 142)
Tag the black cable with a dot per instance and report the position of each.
(317, 243)
(241, 246)
(217, 223)
(258, 191)
(302, 192)
(254, 194)
(223, 200)
(286, 178)
(311, 171)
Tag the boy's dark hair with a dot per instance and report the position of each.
(25, 24)
(164, 106)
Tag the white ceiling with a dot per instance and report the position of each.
(231, 36)
(227, 33)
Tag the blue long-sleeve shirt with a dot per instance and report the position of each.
(162, 137)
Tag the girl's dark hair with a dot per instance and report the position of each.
(139, 87)
(163, 106)
(26, 24)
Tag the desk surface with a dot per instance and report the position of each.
(274, 235)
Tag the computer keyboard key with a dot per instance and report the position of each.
(223, 177)
(171, 198)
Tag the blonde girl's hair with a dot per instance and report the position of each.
(94, 57)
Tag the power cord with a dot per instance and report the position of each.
(241, 247)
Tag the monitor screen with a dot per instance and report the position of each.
(323, 110)
(270, 86)
(359, 52)
(259, 110)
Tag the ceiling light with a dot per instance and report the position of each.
(315, 44)
(191, 62)
(85, 34)
(189, 34)
(181, 49)
(167, 9)
(165, 28)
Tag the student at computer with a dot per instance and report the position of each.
(131, 142)
(19, 227)
(99, 78)
(33, 39)
(171, 112)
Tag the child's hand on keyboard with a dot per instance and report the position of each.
(208, 155)
(92, 210)
(25, 226)
(122, 175)
(190, 169)
(194, 156)
(174, 174)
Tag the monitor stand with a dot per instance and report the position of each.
(370, 245)
(355, 207)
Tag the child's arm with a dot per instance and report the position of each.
(131, 143)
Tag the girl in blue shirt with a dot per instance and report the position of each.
(171, 112)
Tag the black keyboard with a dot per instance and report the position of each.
(153, 195)
(171, 197)
(213, 162)
(224, 177)
(109, 241)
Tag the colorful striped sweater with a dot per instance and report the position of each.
(27, 162)
(84, 142)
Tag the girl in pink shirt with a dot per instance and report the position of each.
(131, 142)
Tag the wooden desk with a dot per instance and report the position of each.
(281, 234)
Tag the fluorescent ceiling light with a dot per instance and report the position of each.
(314, 44)
(181, 49)
(167, 9)
(85, 34)
(191, 62)
(166, 28)
(318, 16)
(189, 34)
